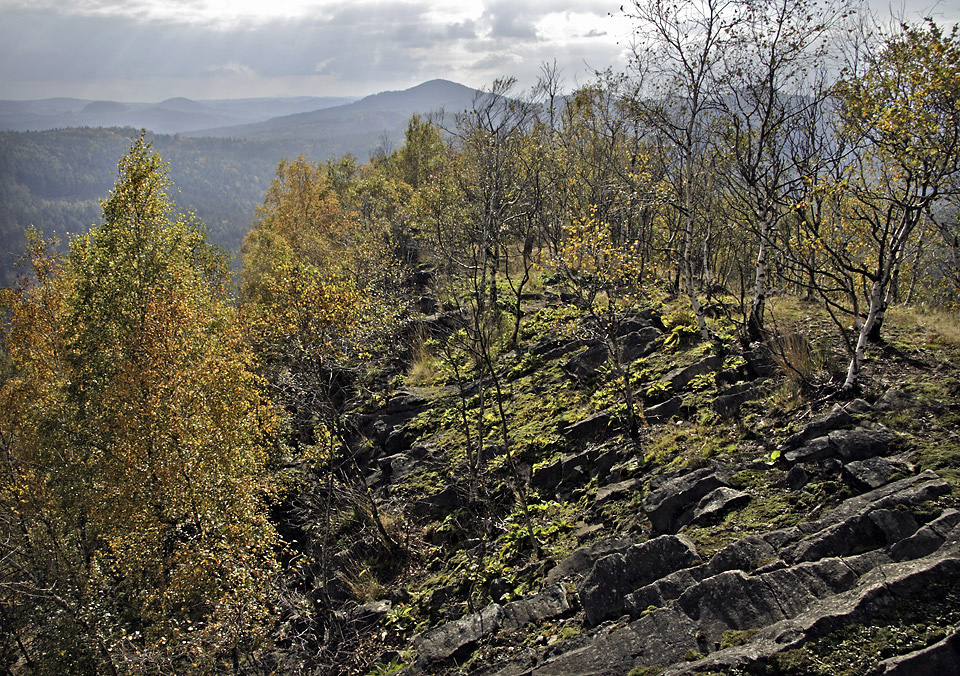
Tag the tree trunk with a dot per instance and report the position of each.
(688, 250)
(755, 322)
(856, 361)
(891, 275)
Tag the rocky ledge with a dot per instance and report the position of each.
(657, 604)
(778, 556)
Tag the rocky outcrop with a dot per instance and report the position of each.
(681, 377)
(638, 593)
(632, 346)
(718, 501)
(572, 469)
(664, 411)
(579, 562)
(727, 404)
(616, 575)
(673, 503)
(444, 641)
(874, 472)
(785, 587)
(839, 435)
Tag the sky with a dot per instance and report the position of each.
(151, 50)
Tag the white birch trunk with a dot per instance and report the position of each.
(760, 286)
(856, 362)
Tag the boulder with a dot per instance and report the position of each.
(635, 321)
(797, 478)
(678, 378)
(574, 468)
(728, 404)
(603, 422)
(662, 413)
(446, 640)
(661, 592)
(551, 347)
(717, 502)
(580, 561)
(450, 497)
(548, 476)
(616, 491)
(586, 364)
(896, 400)
(616, 575)
(551, 602)
(862, 442)
(747, 554)
(857, 443)
(870, 473)
(639, 343)
(858, 407)
(404, 402)
(814, 450)
(836, 419)
(666, 505)
(372, 612)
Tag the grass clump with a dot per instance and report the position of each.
(645, 671)
(733, 638)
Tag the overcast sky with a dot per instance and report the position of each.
(150, 50)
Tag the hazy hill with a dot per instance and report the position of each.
(166, 117)
(53, 179)
(360, 126)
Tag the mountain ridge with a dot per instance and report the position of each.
(391, 108)
(170, 116)
(261, 118)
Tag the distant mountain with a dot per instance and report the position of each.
(361, 126)
(172, 116)
(53, 178)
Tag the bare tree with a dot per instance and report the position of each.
(679, 58)
(775, 77)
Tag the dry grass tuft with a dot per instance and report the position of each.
(424, 369)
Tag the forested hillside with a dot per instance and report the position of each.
(53, 180)
(660, 377)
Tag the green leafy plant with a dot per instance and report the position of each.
(400, 618)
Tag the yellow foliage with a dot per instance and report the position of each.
(133, 429)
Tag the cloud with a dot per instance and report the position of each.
(509, 20)
(154, 50)
(232, 68)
